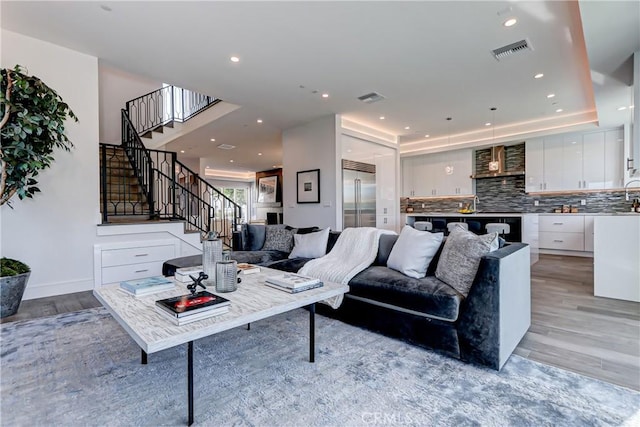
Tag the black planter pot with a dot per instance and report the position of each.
(11, 292)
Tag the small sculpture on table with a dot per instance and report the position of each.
(197, 282)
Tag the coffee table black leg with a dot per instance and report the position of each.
(143, 358)
(190, 380)
(312, 333)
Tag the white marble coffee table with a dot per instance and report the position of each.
(252, 301)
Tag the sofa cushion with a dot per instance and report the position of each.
(290, 265)
(310, 245)
(385, 245)
(254, 237)
(460, 258)
(278, 239)
(258, 257)
(427, 295)
(413, 251)
(302, 230)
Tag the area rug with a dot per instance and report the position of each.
(82, 369)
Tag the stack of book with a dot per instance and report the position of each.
(182, 274)
(147, 286)
(292, 282)
(189, 308)
(246, 269)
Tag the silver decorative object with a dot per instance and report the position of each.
(226, 276)
(211, 254)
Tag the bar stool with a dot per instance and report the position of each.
(423, 225)
(452, 225)
(498, 227)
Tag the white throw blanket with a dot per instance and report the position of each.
(355, 250)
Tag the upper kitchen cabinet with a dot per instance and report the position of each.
(574, 162)
(427, 175)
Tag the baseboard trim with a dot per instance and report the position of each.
(43, 290)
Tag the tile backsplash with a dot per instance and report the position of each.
(507, 194)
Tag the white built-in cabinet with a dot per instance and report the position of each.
(576, 161)
(426, 176)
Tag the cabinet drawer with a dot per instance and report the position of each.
(142, 254)
(564, 223)
(130, 272)
(561, 241)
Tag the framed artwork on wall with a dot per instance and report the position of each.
(267, 186)
(308, 185)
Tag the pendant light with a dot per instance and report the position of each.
(448, 169)
(494, 164)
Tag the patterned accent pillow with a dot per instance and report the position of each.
(460, 258)
(278, 239)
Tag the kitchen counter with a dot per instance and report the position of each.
(591, 213)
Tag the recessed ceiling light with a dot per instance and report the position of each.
(182, 151)
(105, 8)
(510, 22)
(622, 108)
(259, 154)
(274, 166)
(259, 120)
(381, 117)
(426, 136)
(213, 140)
(234, 59)
(488, 124)
(325, 95)
(407, 127)
(559, 110)
(538, 76)
(349, 150)
(231, 161)
(551, 95)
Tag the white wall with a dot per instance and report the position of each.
(54, 232)
(116, 87)
(313, 145)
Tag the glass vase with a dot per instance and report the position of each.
(226, 276)
(211, 254)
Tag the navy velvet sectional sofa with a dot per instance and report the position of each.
(484, 328)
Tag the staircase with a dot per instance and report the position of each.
(139, 184)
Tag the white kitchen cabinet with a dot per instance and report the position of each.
(425, 176)
(561, 232)
(534, 165)
(574, 162)
(588, 233)
(614, 159)
(553, 163)
(593, 160)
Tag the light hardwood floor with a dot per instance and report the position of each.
(570, 328)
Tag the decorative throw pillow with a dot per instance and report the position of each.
(278, 239)
(413, 251)
(310, 245)
(460, 258)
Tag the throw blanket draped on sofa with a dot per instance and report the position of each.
(355, 250)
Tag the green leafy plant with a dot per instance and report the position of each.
(12, 267)
(32, 126)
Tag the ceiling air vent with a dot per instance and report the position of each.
(226, 147)
(370, 98)
(510, 49)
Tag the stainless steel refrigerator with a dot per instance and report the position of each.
(358, 194)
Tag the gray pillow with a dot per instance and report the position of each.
(278, 239)
(460, 258)
(413, 251)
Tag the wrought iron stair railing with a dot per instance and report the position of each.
(170, 189)
(164, 106)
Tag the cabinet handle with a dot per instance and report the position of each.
(541, 186)
(142, 255)
(559, 241)
(558, 223)
(579, 184)
(141, 271)
(545, 185)
(584, 184)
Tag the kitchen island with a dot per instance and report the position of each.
(523, 227)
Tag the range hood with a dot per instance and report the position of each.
(496, 167)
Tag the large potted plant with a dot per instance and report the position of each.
(32, 127)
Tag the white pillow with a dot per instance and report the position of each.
(413, 251)
(310, 245)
